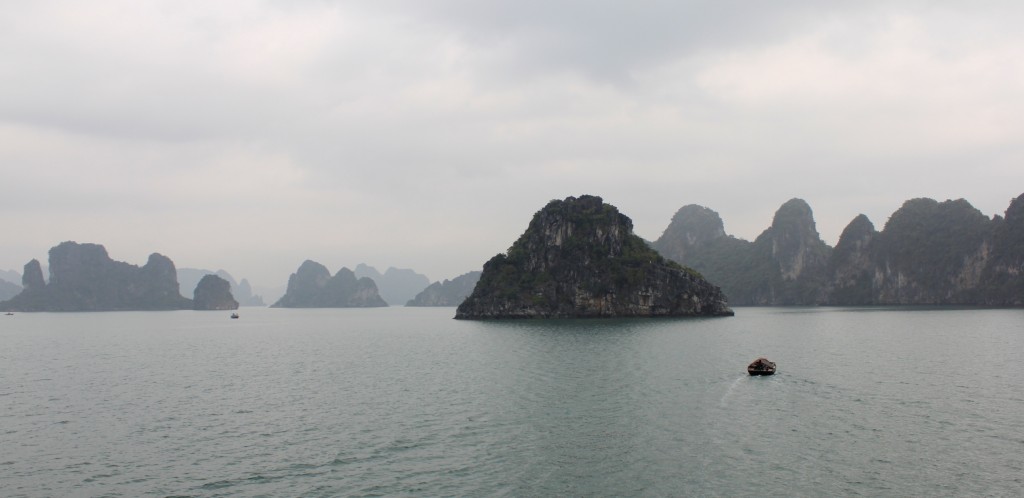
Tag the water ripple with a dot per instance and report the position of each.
(409, 402)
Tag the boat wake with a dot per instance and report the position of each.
(728, 392)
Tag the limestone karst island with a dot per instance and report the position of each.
(579, 258)
(928, 253)
(84, 278)
(312, 286)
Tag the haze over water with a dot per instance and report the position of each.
(405, 401)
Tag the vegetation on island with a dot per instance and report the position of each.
(929, 252)
(580, 258)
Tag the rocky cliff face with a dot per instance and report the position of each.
(784, 265)
(447, 293)
(852, 264)
(312, 286)
(84, 278)
(580, 258)
(797, 254)
(929, 252)
(213, 293)
(1002, 279)
(794, 242)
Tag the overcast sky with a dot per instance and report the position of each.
(250, 136)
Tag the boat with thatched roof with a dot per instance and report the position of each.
(761, 366)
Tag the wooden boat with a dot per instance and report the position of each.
(234, 315)
(761, 366)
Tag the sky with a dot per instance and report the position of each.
(252, 135)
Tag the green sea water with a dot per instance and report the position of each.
(408, 402)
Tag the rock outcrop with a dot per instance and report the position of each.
(246, 297)
(84, 278)
(447, 293)
(696, 238)
(312, 286)
(784, 265)
(1002, 280)
(188, 278)
(213, 293)
(692, 226)
(852, 264)
(929, 252)
(580, 258)
(396, 285)
(798, 257)
(32, 277)
(794, 241)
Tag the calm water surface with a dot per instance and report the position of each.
(407, 401)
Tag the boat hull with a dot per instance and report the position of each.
(761, 366)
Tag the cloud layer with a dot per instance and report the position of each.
(250, 136)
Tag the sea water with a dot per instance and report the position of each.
(408, 401)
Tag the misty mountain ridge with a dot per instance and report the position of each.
(313, 286)
(8, 289)
(189, 278)
(448, 292)
(929, 252)
(396, 285)
(10, 276)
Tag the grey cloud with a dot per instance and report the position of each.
(606, 40)
(424, 134)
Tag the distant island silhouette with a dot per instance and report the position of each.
(84, 278)
(928, 253)
(312, 286)
(448, 292)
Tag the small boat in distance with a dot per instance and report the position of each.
(234, 315)
(761, 366)
(9, 313)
